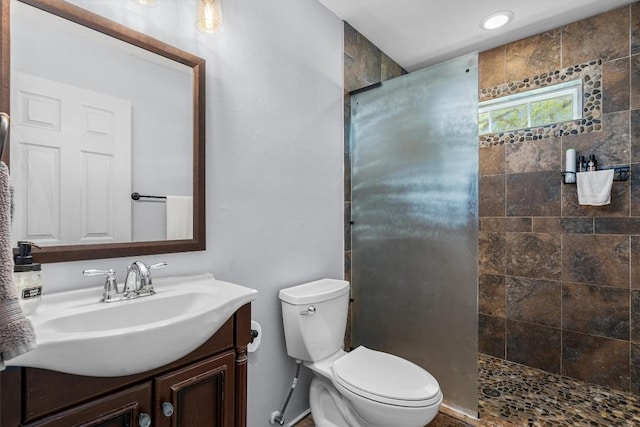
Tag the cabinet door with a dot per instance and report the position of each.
(116, 410)
(200, 395)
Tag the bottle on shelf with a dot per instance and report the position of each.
(592, 164)
(582, 164)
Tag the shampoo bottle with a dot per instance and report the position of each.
(27, 277)
(582, 164)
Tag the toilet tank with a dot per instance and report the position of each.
(314, 316)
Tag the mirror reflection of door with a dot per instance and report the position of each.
(73, 148)
(160, 91)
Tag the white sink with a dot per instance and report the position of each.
(79, 335)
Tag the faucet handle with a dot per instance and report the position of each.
(146, 283)
(147, 286)
(110, 284)
(158, 265)
(94, 272)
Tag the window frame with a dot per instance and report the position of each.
(573, 88)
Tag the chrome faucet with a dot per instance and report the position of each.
(138, 281)
(137, 284)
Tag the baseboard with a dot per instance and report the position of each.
(459, 413)
(446, 408)
(299, 418)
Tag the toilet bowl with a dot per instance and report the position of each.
(363, 387)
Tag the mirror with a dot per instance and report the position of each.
(98, 112)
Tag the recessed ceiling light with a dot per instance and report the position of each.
(496, 20)
(146, 2)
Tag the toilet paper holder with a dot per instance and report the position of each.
(255, 337)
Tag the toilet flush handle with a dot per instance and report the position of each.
(311, 310)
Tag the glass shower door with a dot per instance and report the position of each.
(414, 143)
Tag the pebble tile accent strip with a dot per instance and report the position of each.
(591, 75)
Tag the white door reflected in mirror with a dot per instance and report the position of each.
(71, 161)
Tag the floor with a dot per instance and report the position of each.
(529, 397)
(514, 395)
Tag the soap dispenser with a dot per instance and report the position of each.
(27, 277)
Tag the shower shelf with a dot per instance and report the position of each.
(620, 173)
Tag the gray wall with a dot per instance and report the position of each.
(274, 163)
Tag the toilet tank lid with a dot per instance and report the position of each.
(312, 292)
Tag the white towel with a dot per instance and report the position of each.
(17, 335)
(179, 217)
(594, 188)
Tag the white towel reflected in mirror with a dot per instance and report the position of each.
(179, 217)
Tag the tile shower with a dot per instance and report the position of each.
(559, 283)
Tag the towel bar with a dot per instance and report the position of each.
(138, 196)
(620, 173)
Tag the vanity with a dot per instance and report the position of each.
(175, 357)
(207, 387)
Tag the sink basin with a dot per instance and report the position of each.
(77, 334)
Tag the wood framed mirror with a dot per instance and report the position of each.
(167, 145)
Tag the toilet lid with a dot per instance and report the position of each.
(385, 378)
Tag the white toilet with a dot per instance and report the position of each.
(360, 388)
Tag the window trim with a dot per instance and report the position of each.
(573, 88)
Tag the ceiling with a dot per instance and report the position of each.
(419, 33)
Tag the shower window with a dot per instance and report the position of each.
(535, 108)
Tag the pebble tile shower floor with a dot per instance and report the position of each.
(524, 396)
(514, 395)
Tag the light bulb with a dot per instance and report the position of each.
(209, 16)
(146, 2)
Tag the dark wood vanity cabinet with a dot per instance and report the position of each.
(205, 388)
(119, 409)
(195, 394)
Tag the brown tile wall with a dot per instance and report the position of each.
(559, 283)
(364, 65)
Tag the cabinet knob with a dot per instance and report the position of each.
(144, 420)
(167, 409)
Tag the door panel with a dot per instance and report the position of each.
(201, 395)
(117, 410)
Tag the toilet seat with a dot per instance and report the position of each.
(385, 378)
